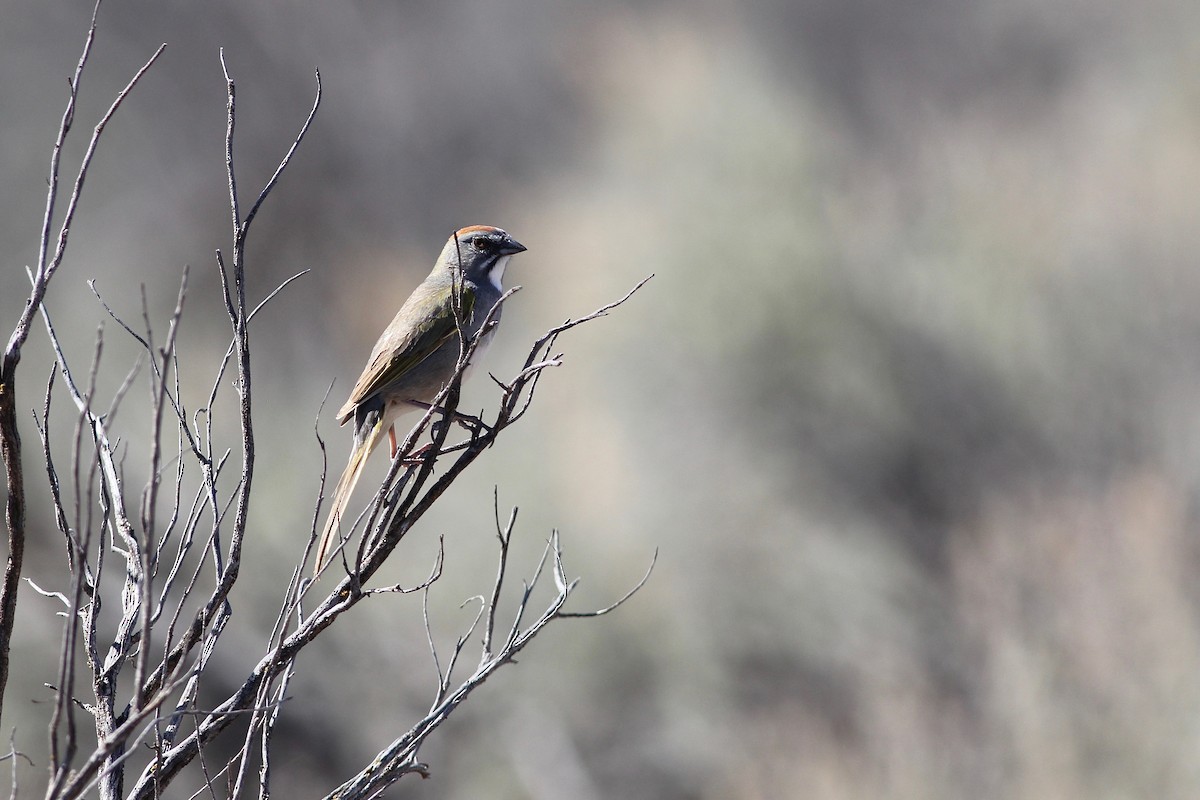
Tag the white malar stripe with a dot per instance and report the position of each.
(497, 273)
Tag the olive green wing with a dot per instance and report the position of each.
(404, 345)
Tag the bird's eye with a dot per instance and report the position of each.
(485, 244)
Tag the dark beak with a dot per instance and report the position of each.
(511, 246)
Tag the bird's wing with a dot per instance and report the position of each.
(403, 346)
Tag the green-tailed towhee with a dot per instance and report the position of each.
(418, 352)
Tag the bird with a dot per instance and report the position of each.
(417, 354)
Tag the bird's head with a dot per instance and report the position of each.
(483, 253)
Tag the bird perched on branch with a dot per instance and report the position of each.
(418, 352)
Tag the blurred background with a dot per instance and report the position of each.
(909, 411)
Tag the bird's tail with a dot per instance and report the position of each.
(345, 487)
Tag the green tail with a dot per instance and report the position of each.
(345, 487)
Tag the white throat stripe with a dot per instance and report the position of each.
(497, 273)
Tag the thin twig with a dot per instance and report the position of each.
(401, 756)
(48, 263)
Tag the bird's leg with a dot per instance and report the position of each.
(416, 456)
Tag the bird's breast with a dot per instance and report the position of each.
(485, 342)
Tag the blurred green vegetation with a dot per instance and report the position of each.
(909, 409)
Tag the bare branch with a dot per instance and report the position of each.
(10, 442)
(14, 754)
(233, 281)
(401, 756)
(637, 587)
(266, 190)
(504, 535)
(167, 625)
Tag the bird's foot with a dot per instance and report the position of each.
(418, 456)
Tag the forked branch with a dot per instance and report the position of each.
(174, 554)
(401, 756)
(49, 261)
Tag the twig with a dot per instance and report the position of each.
(183, 612)
(233, 281)
(48, 263)
(400, 757)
